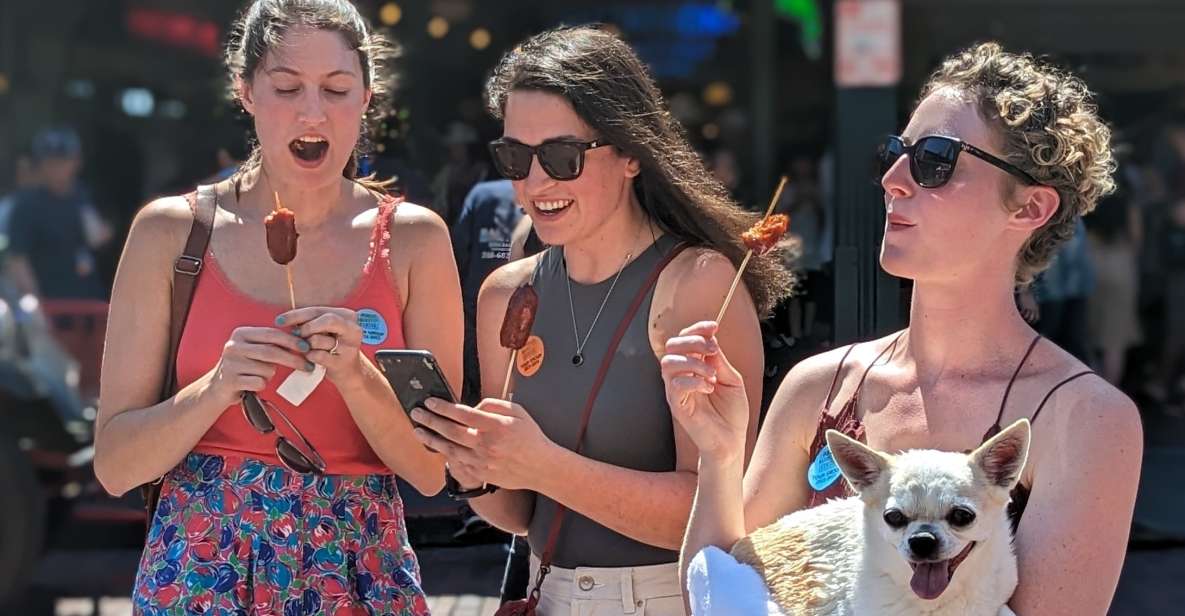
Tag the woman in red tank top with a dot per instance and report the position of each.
(303, 518)
(998, 161)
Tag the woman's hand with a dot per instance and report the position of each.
(334, 338)
(249, 360)
(706, 394)
(496, 442)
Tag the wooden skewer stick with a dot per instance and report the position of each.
(736, 280)
(291, 289)
(506, 395)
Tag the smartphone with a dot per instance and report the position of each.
(415, 376)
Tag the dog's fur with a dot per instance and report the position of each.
(844, 558)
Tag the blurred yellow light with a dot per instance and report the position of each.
(710, 131)
(718, 94)
(4, 83)
(479, 38)
(437, 27)
(390, 14)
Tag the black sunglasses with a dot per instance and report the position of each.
(932, 159)
(561, 159)
(257, 412)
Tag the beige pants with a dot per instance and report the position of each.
(590, 591)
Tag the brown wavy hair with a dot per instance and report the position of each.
(262, 26)
(611, 90)
(1049, 127)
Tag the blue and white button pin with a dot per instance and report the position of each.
(374, 327)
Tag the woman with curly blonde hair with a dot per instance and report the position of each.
(1000, 158)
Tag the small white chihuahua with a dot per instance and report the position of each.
(928, 534)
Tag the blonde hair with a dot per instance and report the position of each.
(1049, 127)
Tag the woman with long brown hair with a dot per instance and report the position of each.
(589, 463)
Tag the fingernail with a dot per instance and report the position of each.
(304, 345)
(309, 366)
(296, 332)
(280, 320)
(417, 414)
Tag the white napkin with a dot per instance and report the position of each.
(297, 387)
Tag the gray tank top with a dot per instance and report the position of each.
(630, 425)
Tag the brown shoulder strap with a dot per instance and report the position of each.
(185, 274)
(186, 269)
(835, 379)
(557, 520)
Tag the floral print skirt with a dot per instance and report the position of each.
(240, 536)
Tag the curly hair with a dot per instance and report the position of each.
(1050, 128)
(262, 27)
(611, 90)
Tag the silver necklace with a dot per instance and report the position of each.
(578, 358)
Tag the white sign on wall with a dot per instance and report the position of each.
(867, 43)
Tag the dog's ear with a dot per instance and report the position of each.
(1003, 456)
(861, 465)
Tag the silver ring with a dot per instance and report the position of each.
(336, 341)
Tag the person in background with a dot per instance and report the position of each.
(1170, 246)
(481, 244)
(804, 203)
(459, 174)
(1114, 239)
(53, 228)
(1062, 292)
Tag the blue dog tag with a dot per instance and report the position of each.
(823, 471)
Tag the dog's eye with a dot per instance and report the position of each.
(896, 519)
(960, 516)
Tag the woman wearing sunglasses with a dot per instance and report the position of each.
(611, 184)
(998, 161)
(272, 504)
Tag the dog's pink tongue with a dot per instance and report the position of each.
(930, 579)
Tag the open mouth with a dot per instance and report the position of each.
(552, 208)
(309, 149)
(930, 579)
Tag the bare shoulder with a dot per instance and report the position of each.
(699, 270)
(162, 225)
(416, 226)
(691, 289)
(1091, 414)
(803, 394)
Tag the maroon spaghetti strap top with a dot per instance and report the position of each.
(847, 421)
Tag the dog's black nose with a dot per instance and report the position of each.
(923, 545)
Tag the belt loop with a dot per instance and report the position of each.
(627, 590)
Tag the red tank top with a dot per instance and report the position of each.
(219, 307)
